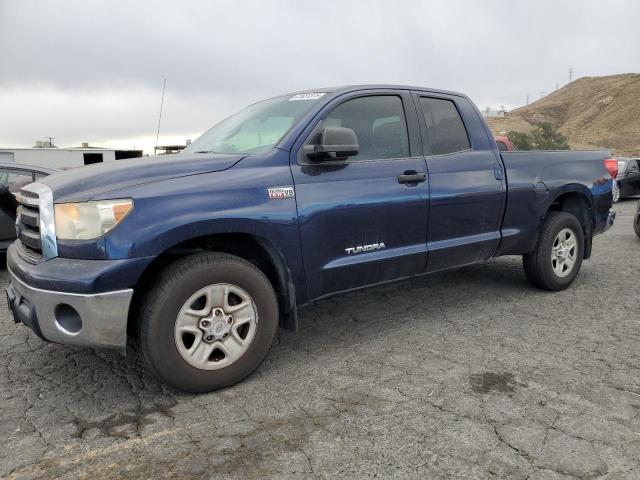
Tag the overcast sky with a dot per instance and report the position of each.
(84, 70)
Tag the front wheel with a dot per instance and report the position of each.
(636, 221)
(557, 257)
(208, 322)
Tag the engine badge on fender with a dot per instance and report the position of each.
(279, 193)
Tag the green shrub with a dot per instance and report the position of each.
(543, 137)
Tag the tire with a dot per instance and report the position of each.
(636, 221)
(548, 273)
(167, 320)
(615, 194)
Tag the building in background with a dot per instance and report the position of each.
(45, 154)
(493, 113)
(168, 149)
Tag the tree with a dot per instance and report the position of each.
(543, 137)
(521, 140)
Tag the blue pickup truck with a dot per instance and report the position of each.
(200, 256)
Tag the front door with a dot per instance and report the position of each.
(362, 220)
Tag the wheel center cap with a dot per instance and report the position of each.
(563, 251)
(219, 328)
(216, 327)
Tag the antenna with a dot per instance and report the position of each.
(164, 84)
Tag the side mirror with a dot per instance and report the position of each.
(335, 143)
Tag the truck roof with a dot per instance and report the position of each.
(353, 88)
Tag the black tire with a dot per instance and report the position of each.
(537, 264)
(176, 284)
(636, 221)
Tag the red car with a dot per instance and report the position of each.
(504, 144)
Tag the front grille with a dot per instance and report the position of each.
(28, 220)
(29, 216)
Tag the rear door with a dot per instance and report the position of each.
(466, 180)
(360, 222)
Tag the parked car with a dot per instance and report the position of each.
(200, 256)
(504, 144)
(628, 180)
(13, 177)
(636, 221)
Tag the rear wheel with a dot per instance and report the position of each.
(556, 260)
(636, 221)
(208, 322)
(615, 193)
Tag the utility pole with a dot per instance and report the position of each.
(527, 99)
(50, 141)
(570, 75)
(164, 84)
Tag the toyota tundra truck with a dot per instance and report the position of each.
(199, 257)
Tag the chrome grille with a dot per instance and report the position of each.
(28, 224)
(29, 216)
(35, 223)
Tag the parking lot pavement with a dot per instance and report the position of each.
(465, 374)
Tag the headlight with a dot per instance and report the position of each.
(87, 220)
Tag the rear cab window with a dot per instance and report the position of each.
(445, 128)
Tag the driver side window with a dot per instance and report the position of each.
(378, 122)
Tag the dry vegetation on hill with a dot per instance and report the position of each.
(592, 112)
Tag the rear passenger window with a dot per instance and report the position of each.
(446, 130)
(379, 124)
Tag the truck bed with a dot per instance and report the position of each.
(537, 179)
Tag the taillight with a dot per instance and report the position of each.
(612, 166)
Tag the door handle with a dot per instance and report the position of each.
(411, 178)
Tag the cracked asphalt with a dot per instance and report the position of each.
(465, 374)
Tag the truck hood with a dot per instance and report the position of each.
(81, 184)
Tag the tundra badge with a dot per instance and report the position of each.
(364, 248)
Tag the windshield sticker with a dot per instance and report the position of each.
(306, 96)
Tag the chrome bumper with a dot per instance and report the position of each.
(611, 217)
(88, 320)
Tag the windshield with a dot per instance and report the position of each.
(257, 128)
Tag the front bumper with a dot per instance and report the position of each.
(89, 320)
(611, 217)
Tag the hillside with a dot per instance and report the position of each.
(601, 112)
